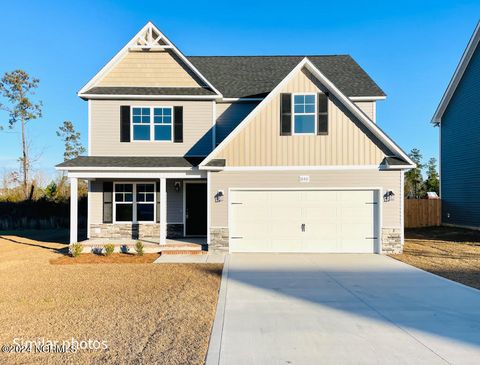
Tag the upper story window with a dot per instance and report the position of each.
(304, 114)
(152, 124)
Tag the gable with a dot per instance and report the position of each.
(150, 69)
(148, 60)
(259, 142)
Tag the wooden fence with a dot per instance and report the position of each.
(423, 213)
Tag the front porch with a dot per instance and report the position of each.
(168, 209)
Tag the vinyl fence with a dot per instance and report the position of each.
(423, 213)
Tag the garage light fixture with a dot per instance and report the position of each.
(388, 196)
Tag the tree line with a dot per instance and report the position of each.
(416, 187)
(17, 89)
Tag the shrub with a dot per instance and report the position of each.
(75, 249)
(139, 248)
(97, 250)
(124, 248)
(109, 248)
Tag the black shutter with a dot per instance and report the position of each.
(322, 117)
(107, 202)
(125, 123)
(178, 124)
(157, 190)
(285, 114)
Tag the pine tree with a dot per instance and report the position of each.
(414, 187)
(432, 183)
(71, 138)
(17, 87)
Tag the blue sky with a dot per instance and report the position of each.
(410, 49)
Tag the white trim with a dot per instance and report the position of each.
(151, 124)
(377, 246)
(315, 114)
(134, 202)
(367, 98)
(374, 112)
(73, 210)
(230, 100)
(163, 211)
(148, 97)
(402, 207)
(137, 175)
(214, 124)
(334, 90)
(89, 206)
(119, 56)
(89, 106)
(458, 74)
(298, 168)
(209, 210)
(185, 182)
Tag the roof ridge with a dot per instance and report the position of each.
(251, 56)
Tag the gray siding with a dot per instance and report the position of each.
(229, 115)
(460, 157)
(105, 130)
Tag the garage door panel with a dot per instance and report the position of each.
(335, 221)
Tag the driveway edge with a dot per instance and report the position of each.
(215, 344)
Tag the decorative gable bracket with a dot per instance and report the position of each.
(150, 39)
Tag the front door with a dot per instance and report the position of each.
(196, 209)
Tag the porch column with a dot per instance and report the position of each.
(163, 211)
(73, 209)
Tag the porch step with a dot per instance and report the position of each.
(183, 252)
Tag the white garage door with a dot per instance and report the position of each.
(304, 221)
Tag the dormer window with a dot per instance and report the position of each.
(304, 114)
(152, 124)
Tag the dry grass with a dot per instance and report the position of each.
(449, 252)
(115, 258)
(147, 313)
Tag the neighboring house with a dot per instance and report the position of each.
(458, 116)
(267, 153)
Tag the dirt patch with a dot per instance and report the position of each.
(449, 252)
(146, 313)
(115, 258)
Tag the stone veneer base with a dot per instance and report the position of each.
(391, 241)
(133, 231)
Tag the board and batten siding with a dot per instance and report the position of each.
(388, 180)
(150, 69)
(368, 108)
(174, 202)
(229, 115)
(459, 151)
(259, 143)
(105, 130)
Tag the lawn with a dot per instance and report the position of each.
(453, 253)
(146, 313)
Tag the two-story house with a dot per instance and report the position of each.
(254, 153)
(458, 119)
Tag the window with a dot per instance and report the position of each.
(304, 120)
(152, 124)
(134, 202)
(123, 202)
(162, 119)
(141, 124)
(145, 202)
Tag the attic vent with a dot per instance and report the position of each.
(150, 39)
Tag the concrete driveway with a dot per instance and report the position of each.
(341, 309)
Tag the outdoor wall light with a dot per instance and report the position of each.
(177, 186)
(388, 196)
(219, 196)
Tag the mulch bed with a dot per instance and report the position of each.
(115, 258)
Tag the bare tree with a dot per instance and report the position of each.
(17, 87)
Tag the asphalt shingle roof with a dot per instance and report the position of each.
(126, 161)
(116, 90)
(256, 76)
